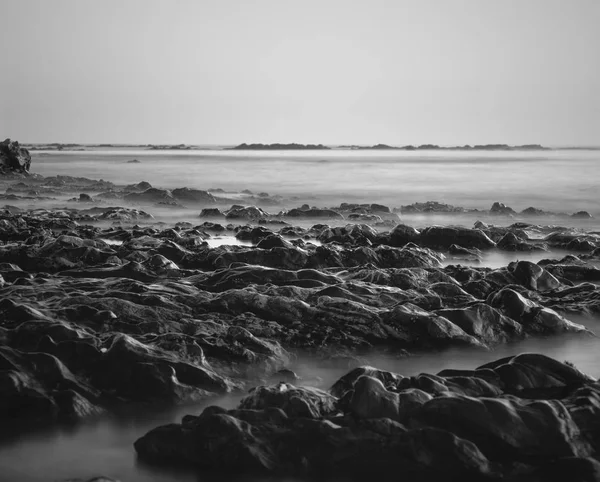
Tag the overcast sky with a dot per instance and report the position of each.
(319, 71)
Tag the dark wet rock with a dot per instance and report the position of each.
(430, 207)
(379, 208)
(444, 237)
(582, 215)
(188, 321)
(371, 400)
(502, 209)
(245, 212)
(512, 419)
(574, 272)
(150, 196)
(139, 187)
(313, 213)
(403, 234)
(354, 234)
(273, 241)
(533, 317)
(367, 218)
(533, 277)
(459, 250)
(253, 234)
(211, 213)
(510, 242)
(485, 323)
(505, 429)
(123, 214)
(187, 195)
(531, 211)
(13, 158)
(294, 401)
(584, 245)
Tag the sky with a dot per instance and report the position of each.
(448, 72)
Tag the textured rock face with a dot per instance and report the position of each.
(512, 419)
(13, 158)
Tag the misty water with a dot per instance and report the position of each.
(105, 445)
(562, 181)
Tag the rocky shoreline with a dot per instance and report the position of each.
(103, 306)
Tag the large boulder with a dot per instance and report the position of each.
(13, 158)
(187, 195)
(443, 237)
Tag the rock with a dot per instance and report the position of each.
(484, 322)
(273, 241)
(533, 317)
(369, 218)
(211, 213)
(245, 212)
(313, 213)
(151, 195)
(522, 417)
(531, 211)
(379, 208)
(371, 400)
(294, 401)
(354, 234)
(139, 187)
(403, 234)
(444, 237)
(187, 195)
(532, 276)
(507, 429)
(582, 215)
(502, 209)
(85, 198)
(14, 158)
(510, 242)
(430, 207)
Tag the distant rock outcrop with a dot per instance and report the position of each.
(280, 147)
(13, 158)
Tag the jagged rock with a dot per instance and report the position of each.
(582, 215)
(502, 209)
(151, 195)
(211, 213)
(245, 212)
(14, 158)
(313, 213)
(403, 234)
(188, 195)
(512, 419)
(444, 237)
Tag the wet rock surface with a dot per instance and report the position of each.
(153, 314)
(517, 418)
(14, 159)
(102, 306)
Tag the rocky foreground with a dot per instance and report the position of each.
(104, 307)
(527, 417)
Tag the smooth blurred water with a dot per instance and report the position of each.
(562, 181)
